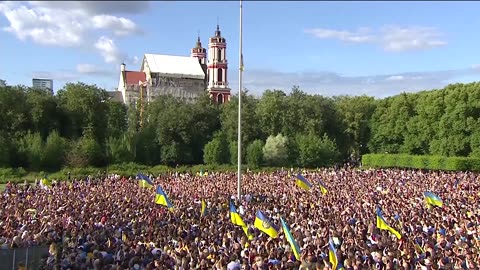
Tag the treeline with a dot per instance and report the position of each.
(81, 127)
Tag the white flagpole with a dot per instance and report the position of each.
(239, 139)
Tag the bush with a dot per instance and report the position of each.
(255, 154)
(275, 150)
(216, 151)
(421, 162)
(315, 151)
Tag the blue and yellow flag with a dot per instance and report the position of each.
(162, 199)
(204, 208)
(382, 224)
(237, 220)
(432, 199)
(293, 244)
(302, 182)
(332, 254)
(144, 181)
(235, 217)
(263, 223)
(418, 248)
(322, 187)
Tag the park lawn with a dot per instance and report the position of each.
(2, 187)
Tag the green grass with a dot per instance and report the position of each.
(2, 187)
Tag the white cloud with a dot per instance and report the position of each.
(108, 50)
(397, 39)
(71, 24)
(119, 26)
(89, 69)
(477, 66)
(59, 76)
(334, 84)
(360, 36)
(390, 37)
(395, 78)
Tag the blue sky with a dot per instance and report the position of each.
(329, 48)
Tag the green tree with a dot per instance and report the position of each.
(216, 151)
(54, 152)
(117, 122)
(275, 150)
(85, 106)
(355, 113)
(119, 150)
(233, 146)
(250, 125)
(269, 111)
(31, 148)
(86, 152)
(43, 111)
(315, 151)
(255, 154)
(14, 111)
(4, 152)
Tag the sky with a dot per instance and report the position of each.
(329, 48)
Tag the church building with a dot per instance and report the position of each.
(185, 77)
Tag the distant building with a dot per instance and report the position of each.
(180, 76)
(46, 84)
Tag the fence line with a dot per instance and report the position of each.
(31, 257)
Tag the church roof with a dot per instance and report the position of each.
(133, 77)
(174, 66)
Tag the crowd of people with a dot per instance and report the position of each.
(112, 223)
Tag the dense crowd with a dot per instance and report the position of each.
(112, 223)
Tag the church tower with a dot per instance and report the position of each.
(217, 68)
(199, 52)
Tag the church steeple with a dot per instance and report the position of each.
(217, 68)
(199, 52)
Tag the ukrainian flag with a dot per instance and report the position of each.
(295, 248)
(302, 182)
(432, 199)
(382, 224)
(204, 208)
(162, 199)
(332, 254)
(263, 223)
(322, 187)
(235, 217)
(418, 248)
(144, 181)
(237, 220)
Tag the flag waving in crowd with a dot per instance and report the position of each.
(303, 183)
(432, 199)
(382, 224)
(293, 244)
(144, 181)
(162, 199)
(263, 223)
(237, 220)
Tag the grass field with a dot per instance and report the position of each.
(2, 187)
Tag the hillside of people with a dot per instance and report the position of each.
(79, 126)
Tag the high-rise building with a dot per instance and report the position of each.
(46, 84)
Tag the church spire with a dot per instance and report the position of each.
(199, 52)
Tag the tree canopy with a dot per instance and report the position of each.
(80, 126)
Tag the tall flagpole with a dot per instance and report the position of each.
(239, 139)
